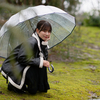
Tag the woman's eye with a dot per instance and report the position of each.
(45, 30)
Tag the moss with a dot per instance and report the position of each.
(69, 81)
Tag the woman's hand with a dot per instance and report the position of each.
(46, 63)
(48, 38)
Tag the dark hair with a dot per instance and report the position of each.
(44, 26)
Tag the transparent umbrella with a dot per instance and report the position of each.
(26, 21)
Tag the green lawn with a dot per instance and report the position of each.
(69, 81)
(74, 80)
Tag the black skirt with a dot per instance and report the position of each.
(36, 79)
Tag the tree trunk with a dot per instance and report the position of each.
(62, 4)
(9, 1)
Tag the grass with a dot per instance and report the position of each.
(74, 81)
(83, 43)
(78, 79)
(70, 81)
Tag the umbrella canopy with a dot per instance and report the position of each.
(26, 20)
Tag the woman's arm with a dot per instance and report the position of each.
(28, 58)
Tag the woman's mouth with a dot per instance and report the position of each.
(46, 37)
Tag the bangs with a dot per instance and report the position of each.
(46, 27)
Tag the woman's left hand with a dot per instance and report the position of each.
(48, 39)
(46, 63)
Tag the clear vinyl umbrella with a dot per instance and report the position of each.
(26, 20)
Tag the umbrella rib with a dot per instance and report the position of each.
(58, 23)
(31, 26)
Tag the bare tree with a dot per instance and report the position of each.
(96, 10)
(73, 6)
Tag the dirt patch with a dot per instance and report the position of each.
(1, 60)
(59, 59)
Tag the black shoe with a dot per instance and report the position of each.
(12, 88)
(25, 88)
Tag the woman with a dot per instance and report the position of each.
(28, 71)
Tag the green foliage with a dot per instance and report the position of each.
(74, 6)
(92, 21)
(56, 3)
(7, 10)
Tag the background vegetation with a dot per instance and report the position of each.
(76, 59)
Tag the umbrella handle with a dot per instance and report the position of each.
(50, 69)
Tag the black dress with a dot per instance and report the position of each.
(28, 71)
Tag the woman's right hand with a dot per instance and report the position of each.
(46, 63)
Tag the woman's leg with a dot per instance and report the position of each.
(31, 87)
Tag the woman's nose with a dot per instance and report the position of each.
(47, 33)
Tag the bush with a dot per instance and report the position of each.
(92, 21)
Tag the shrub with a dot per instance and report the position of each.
(92, 21)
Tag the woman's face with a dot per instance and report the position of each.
(44, 35)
